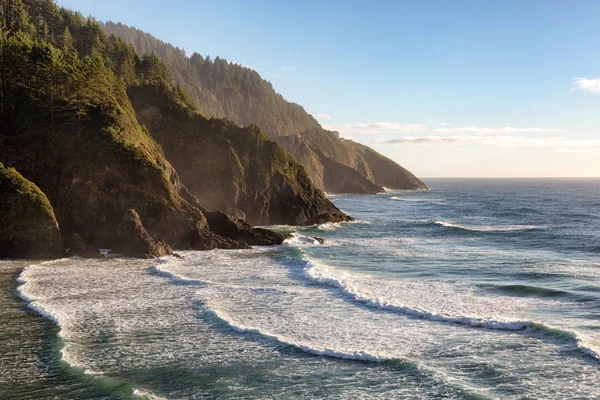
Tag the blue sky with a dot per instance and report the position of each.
(446, 88)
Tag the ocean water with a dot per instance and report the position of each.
(476, 289)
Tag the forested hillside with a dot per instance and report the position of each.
(67, 125)
(223, 89)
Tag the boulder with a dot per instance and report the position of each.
(28, 226)
(133, 240)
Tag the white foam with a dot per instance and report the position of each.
(442, 297)
(301, 240)
(488, 228)
(316, 350)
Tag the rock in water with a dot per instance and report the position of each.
(28, 227)
(133, 240)
(240, 231)
(80, 249)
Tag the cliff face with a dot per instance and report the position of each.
(28, 227)
(231, 168)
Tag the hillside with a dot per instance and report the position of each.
(67, 125)
(220, 88)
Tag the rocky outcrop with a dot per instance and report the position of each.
(78, 248)
(28, 226)
(240, 231)
(133, 240)
(232, 168)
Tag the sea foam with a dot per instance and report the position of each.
(350, 286)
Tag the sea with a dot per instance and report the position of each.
(474, 289)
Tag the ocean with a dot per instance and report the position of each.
(475, 289)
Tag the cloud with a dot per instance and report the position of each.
(501, 141)
(323, 116)
(479, 130)
(573, 151)
(376, 127)
(391, 127)
(587, 85)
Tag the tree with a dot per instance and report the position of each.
(68, 43)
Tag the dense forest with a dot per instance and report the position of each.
(221, 88)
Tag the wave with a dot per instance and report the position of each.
(319, 274)
(35, 305)
(433, 201)
(312, 349)
(527, 290)
(301, 240)
(488, 228)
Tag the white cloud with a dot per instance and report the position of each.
(375, 127)
(479, 130)
(391, 127)
(501, 141)
(588, 85)
(323, 116)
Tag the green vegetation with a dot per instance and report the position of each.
(220, 88)
(28, 226)
(228, 167)
(67, 123)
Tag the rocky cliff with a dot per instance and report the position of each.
(233, 169)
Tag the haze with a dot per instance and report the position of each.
(447, 89)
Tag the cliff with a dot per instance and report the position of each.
(233, 169)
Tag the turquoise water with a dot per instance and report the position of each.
(474, 289)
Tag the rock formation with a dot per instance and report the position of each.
(133, 239)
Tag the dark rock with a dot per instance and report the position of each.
(28, 227)
(240, 231)
(79, 248)
(133, 240)
(203, 239)
(320, 239)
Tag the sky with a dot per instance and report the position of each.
(445, 88)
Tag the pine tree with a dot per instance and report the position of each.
(68, 43)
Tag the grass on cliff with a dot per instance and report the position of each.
(25, 211)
